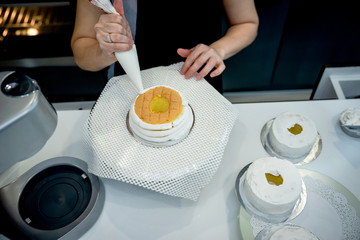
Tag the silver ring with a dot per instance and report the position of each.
(108, 38)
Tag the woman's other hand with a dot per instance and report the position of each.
(201, 56)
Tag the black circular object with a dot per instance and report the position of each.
(55, 197)
(18, 84)
(58, 201)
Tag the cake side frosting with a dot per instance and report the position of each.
(173, 133)
(267, 196)
(292, 135)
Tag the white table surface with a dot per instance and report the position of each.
(132, 212)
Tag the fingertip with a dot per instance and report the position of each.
(216, 73)
(183, 52)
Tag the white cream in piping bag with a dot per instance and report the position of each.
(130, 63)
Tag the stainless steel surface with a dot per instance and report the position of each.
(27, 119)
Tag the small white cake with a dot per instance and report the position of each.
(350, 117)
(160, 114)
(291, 232)
(292, 135)
(273, 185)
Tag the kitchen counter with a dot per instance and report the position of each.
(132, 212)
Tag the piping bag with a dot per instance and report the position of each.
(130, 63)
(127, 59)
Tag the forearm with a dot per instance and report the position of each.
(236, 39)
(89, 56)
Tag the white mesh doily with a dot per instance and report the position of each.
(181, 170)
(327, 213)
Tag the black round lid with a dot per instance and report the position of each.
(18, 84)
(55, 197)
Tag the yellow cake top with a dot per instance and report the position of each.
(159, 105)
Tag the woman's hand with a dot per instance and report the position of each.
(201, 56)
(119, 33)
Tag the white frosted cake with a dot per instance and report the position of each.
(272, 185)
(291, 232)
(292, 135)
(160, 114)
(350, 117)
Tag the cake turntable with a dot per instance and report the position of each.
(55, 198)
